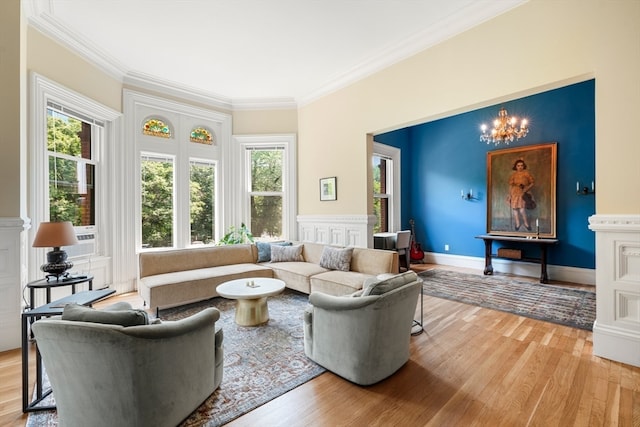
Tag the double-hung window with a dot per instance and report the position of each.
(72, 141)
(267, 177)
(266, 191)
(72, 163)
(386, 188)
(70, 136)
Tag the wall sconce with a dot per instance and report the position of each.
(583, 191)
(467, 196)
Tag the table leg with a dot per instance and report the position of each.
(31, 306)
(488, 268)
(543, 264)
(25, 365)
(418, 327)
(252, 312)
(38, 374)
(31, 406)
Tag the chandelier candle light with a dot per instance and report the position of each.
(505, 129)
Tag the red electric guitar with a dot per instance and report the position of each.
(416, 253)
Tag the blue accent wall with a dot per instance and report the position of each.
(443, 157)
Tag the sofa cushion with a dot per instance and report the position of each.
(296, 274)
(336, 282)
(379, 287)
(170, 261)
(336, 258)
(183, 287)
(81, 313)
(286, 253)
(264, 249)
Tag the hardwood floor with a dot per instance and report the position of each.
(471, 367)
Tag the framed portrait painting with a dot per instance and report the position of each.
(521, 191)
(328, 189)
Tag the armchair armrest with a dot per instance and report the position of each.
(339, 303)
(203, 319)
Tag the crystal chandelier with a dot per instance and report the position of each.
(505, 129)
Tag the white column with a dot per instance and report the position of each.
(13, 268)
(616, 332)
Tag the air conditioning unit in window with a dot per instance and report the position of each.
(85, 247)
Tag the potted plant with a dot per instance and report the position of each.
(236, 236)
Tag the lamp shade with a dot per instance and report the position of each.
(54, 235)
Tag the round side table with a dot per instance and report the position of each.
(251, 294)
(55, 283)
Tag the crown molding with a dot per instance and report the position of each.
(154, 84)
(283, 103)
(464, 19)
(40, 18)
(39, 15)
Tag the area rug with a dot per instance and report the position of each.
(556, 304)
(260, 363)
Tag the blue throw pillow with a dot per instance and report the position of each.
(264, 250)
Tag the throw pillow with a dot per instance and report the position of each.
(81, 313)
(264, 249)
(379, 287)
(286, 253)
(336, 258)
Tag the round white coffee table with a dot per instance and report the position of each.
(252, 294)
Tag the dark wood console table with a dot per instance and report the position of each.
(543, 244)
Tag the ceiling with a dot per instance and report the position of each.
(250, 50)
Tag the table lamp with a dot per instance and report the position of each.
(55, 235)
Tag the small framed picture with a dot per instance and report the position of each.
(328, 189)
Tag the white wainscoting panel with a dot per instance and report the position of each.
(13, 269)
(616, 333)
(341, 230)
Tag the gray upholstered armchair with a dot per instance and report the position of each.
(148, 375)
(363, 337)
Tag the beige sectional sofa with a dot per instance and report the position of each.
(180, 276)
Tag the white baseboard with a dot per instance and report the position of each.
(622, 345)
(584, 276)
